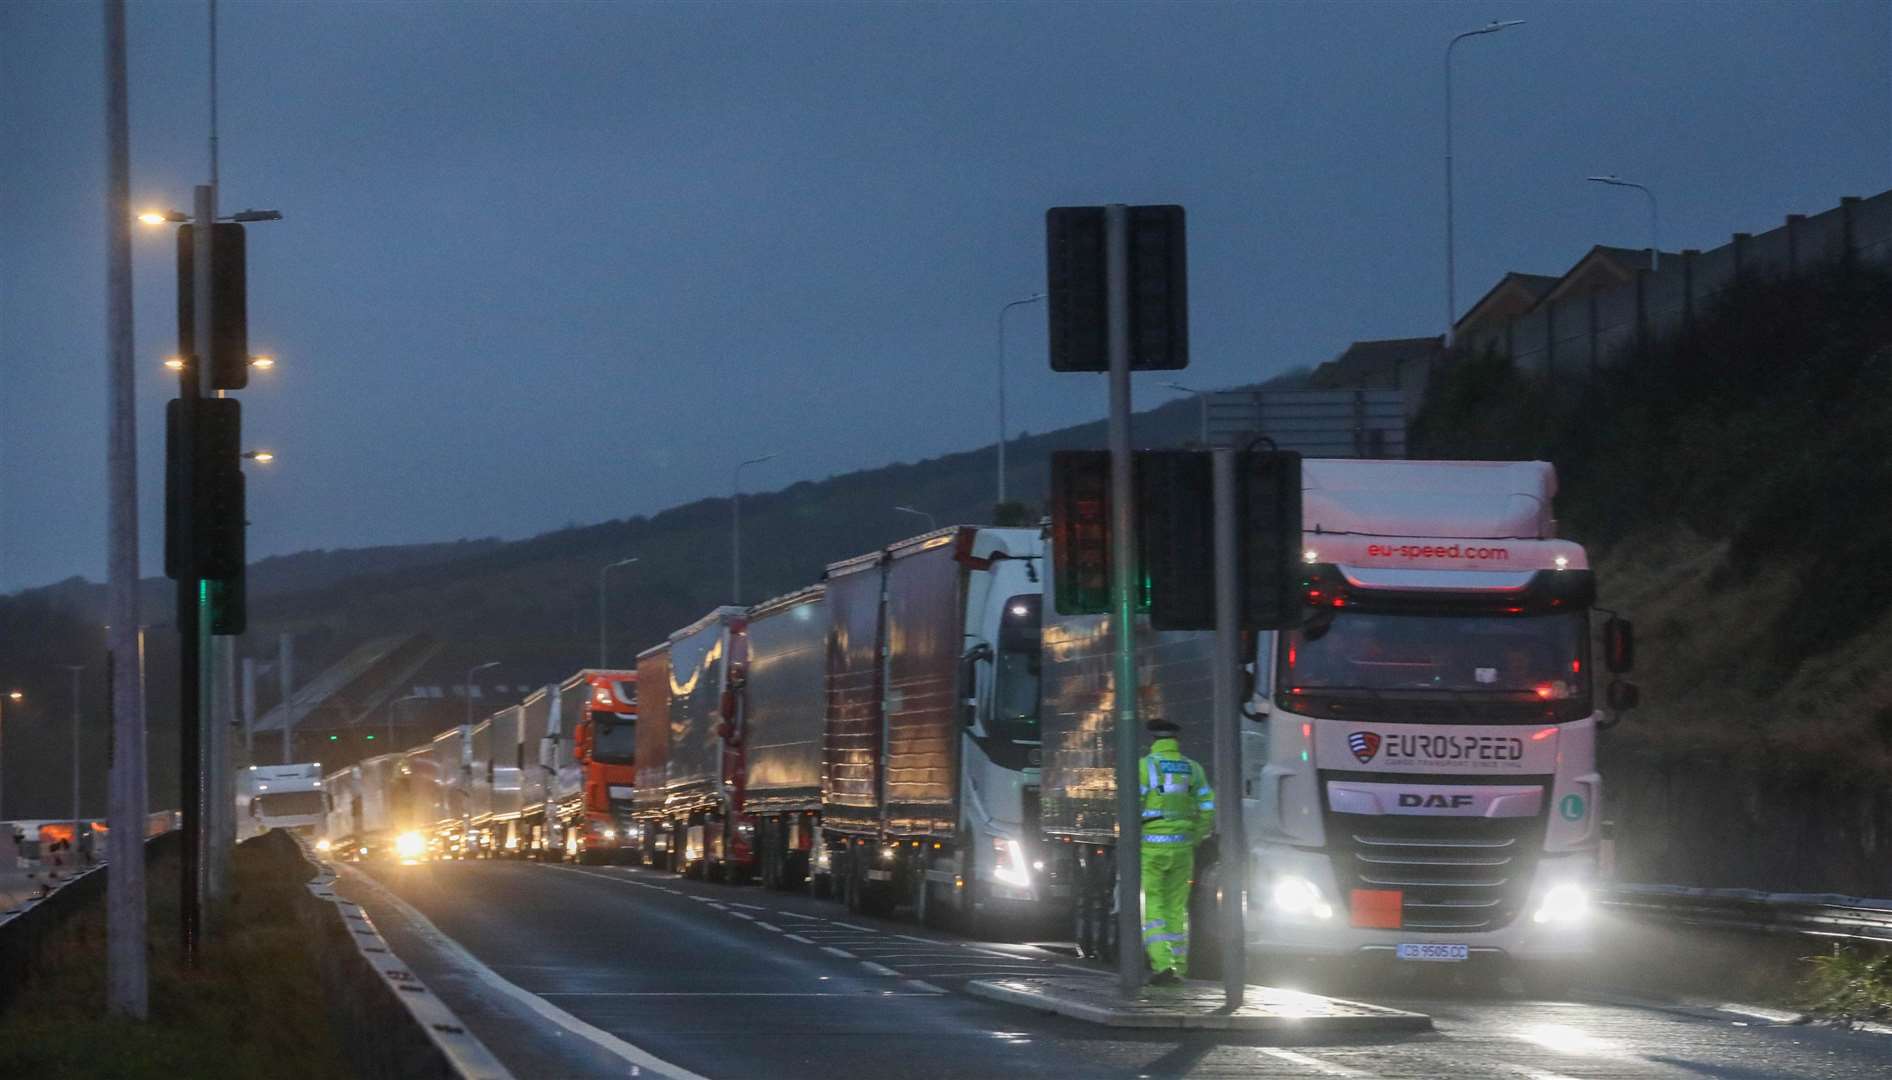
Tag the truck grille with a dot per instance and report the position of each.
(1453, 873)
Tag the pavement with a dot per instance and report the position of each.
(607, 971)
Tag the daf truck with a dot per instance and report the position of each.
(1418, 764)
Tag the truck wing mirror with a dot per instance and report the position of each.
(1623, 696)
(1619, 645)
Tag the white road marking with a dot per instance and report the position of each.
(740, 915)
(851, 926)
(923, 985)
(1325, 1068)
(457, 953)
(921, 940)
(799, 915)
(842, 953)
(726, 993)
(751, 907)
(798, 937)
(768, 926)
(878, 969)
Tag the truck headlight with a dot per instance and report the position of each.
(1298, 896)
(1010, 867)
(322, 845)
(410, 845)
(1566, 903)
(610, 834)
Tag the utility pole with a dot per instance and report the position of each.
(249, 711)
(1123, 603)
(78, 823)
(127, 984)
(1228, 734)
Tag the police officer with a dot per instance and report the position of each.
(1178, 814)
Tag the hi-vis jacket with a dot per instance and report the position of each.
(1178, 804)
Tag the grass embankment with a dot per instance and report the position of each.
(1732, 479)
(1851, 985)
(255, 1007)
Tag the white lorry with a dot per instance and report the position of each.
(281, 797)
(1418, 758)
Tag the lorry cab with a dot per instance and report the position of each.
(1428, 789)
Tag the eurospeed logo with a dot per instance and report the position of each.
(1364, 745)
(1437, 551)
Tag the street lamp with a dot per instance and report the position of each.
(16, 697)
(179, 217)
(1655, 236)
(1451, 282)
(261, 457)
(735, 526)
(930, 523)
(394, 708)
(1201, 397)
(1033, 298)
(76, 669)
(601, 573)
(470, 672)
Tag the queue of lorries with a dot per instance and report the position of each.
(921, 730)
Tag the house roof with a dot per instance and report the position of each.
(1614, 265)
(1517, 291)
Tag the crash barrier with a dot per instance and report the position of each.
(25, 928)
(394, 1026)
(1824, 915)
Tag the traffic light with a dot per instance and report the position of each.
(229, 331)
(205, 538)
(1078, 296)
(1080, 531)
(227, 600)
(1176, 537)
(1268, 528)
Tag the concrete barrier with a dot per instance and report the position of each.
(394, 1026)
(30, 921)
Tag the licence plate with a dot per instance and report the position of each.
(1430, 951)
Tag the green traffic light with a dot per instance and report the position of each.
(370, 738)
(333, 738)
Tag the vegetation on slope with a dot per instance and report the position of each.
(1733, 478)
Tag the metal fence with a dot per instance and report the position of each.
(1823, 915)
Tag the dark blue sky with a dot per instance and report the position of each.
(548, 263)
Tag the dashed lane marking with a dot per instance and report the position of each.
(852, 926)
(750, 907)
(798, 937)
(728, 993)
(842, 953)
(740, 915)
(768, 926)
(799, 915)
(924, 986)
(878, 969)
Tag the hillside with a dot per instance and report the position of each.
(532, 604)
(1733, 479)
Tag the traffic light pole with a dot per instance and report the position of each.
(191, 617)
(1123, 596)
(1228, 733)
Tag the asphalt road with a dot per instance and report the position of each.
(736, 982)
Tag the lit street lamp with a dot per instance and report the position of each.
(15, 697)
(601, 573)
(1451, 281)
(1655, 236)
(470, 672)
(930, 523)
(735, 526)
(261, 457)
(1032, 299)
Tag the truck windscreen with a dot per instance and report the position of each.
(1544, 656)
(1015, 687)
(613, 738)
(287, 804)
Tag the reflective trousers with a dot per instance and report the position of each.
(1167, 870)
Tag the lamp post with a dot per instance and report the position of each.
(1655, 221)
(735, 526)
(394, 709)
(16, 697)
(1200, 397)
(930, 523)
(601, 573)
(468, 686)
(1033, 298)
(76, 669)
(1451, 281)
